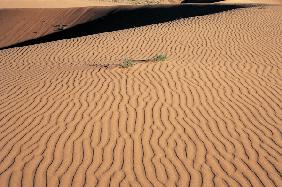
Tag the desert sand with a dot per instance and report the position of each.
(18, 25)
(208, 115)
(56, 3)
(253, 1)
(87, 3)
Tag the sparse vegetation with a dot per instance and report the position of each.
(130, 62)
(160, 57)
(127, 63)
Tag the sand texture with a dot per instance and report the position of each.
(18, 25)
(87, 3)
(59, 3)
(254, 1)
(209, 115)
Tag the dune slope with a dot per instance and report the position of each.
(18, 25)
(209, 115)
(97, 20)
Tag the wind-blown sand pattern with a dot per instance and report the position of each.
(209, 115)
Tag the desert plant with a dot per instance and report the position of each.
(130, 62)
(127, 63)
(160, 57)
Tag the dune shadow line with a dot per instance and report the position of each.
(126, 17)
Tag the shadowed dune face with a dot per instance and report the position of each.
(210, 115)
(126, 17)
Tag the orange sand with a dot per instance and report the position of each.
(55, 3)
(87, 3)
(210, 115)
(19, 25)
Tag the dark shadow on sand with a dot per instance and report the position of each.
(126, 17)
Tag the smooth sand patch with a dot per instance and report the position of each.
(55, 3)
(19, 25)
(209, 115)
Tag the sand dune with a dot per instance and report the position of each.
(92, 21)
(29, 19)
(87, 3)
(209, 115)
(19, 25)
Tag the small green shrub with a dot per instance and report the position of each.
(127, 63)
(160, 57)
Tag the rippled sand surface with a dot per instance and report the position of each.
(210, 114)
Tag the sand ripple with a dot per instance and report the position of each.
(210, 115)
